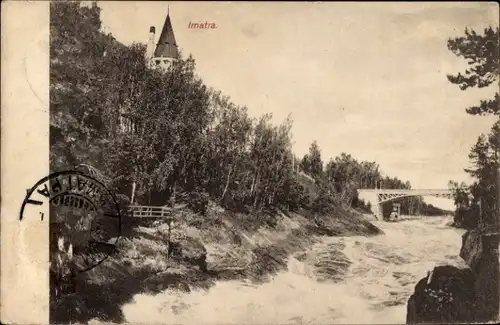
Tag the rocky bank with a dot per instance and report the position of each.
(218, 246)
(452, 295)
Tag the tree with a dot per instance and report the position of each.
(482, 53)
(478, 203)
(466, 209)
(305, 164)
(315, 162)
(485, 170)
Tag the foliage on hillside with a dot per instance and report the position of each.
(174, 137)
(167, 132)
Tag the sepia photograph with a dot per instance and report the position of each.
(261, 163)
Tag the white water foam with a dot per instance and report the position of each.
(374, 290)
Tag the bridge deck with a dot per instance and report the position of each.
(379, 196)
(405, 191)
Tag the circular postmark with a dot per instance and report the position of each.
(84, 215)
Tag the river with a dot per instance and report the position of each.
(374, 289)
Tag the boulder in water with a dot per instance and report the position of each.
(446, 295)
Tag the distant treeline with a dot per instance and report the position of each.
(165, 137)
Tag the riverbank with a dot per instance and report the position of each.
(337, 280)
(219, 246)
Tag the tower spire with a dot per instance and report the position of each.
(167, 46)
(165, 52)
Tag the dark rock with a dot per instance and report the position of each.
(475, 291)
(487, 289)
(446, 295)
(472, 248)
(480, 251)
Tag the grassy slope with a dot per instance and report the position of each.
(236, 246)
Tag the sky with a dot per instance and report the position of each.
(368, 79)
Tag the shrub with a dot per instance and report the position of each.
(324, 203)
(198, 201)
(297, 197)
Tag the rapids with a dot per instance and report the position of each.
(343, 280)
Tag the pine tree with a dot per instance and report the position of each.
(482, 55)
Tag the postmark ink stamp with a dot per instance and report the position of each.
(85, 219)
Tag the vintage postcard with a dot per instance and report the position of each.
(250, 162)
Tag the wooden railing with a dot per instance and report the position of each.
(146, 211)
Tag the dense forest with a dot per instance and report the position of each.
(166, 137)
(477, 204)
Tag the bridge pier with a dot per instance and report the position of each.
(377, 210)
(377, 206)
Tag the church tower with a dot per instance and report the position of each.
(165, 52)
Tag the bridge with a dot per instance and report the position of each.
(378, 196)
